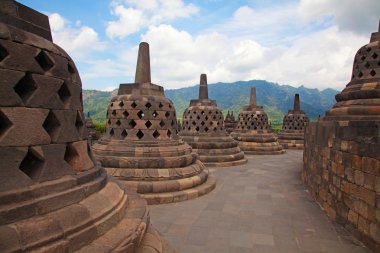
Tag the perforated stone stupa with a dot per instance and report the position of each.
(293, 127)
(203, 128)
(230, 122)
(253, 132)
(342, 151)
(91, 130)
(53, 196)
(141, 147)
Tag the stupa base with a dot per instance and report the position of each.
(291, 144)
(181, 195)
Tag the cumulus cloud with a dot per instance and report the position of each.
(134, 15)
(77, 39)
(352, 15)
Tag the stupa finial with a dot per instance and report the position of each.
(252, 101)
(203, 89)
(143, 64)
(297, 102)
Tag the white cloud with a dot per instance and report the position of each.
(109, 88)
(134, 15)
(351, 15)
(129, 21)
(79, 41)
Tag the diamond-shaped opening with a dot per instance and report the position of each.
(124, 133)
(51, 124)
(206, 129)
(79, 122)
(126, 114)
(140, 114)
(198, 118)
(162, 123)
(363, 58)
(32, 163)
(360, 74)
(206, 118)
(109, 122)
(202, 112)
(148, 105)
(70, 68)
(5, 123)
(373, 72)
(3, 53)
(140, 134)
(211, 123)
(160, 105)
(114, 112)
(173, 123)
(132, 123)
(194, 123)
(112, 132)
(216, 112)
(134, 105)
(118, 122)
(203, 123)
(25, 87)
(369, 49)
(167, 114)
(44, 60)
(148, 124)
(374, 55)
(121, 104)
(189, 128)
(64, 93)
(170, 106)
(367, 65)
(111, 104)
(197, 129)
(156, 134)
(169, 133)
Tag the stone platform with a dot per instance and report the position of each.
(258, 207)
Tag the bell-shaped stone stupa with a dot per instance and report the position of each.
(342, 150)
(141, 147)
(53, 196)
(91, 129)
(230, 122)
(293, 127)
(203, 128)
(253, 132)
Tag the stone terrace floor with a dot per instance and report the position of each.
(258, 207)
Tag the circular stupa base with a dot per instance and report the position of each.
(291, 144)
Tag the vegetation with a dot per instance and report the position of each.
(276, 99)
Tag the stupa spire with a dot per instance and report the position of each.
(252, 100)
(143, 64)
(203, 89)
(297, 102)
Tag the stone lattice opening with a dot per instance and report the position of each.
(374, 55)
(5, 123)
(156, 134)
(155, 114)
(140, 114)
(162, 123)
(109, 122)
(133, 105)
(372, 73)
(169, 133)
(44, 60)
(118, 122)
(112, 132)
(114, 112)
(64, 93)
(79, 122)
(126, 114)
(148, 105)
(160, 105)
(132, 123)
(140, 134)
(25, 87)
(3, 53)
(71, 154)
(51, 124)
(148, 124)
(32, 164)
(167, 114)
(70, 68)
(121, 104)
(124, 133)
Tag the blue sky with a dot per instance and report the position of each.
(305, 42)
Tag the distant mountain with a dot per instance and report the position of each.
(276, 99)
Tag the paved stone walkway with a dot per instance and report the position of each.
(258, 207)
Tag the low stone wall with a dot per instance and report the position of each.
(342, 172)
